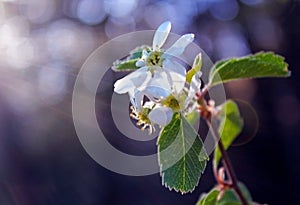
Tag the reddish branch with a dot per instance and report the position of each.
(207, 112)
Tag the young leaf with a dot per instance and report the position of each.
(230, 197)
(129, 63)
(181, 154)
(253, 66)
(196, 67)
(209, 198)
(125, 65)
(230, 126)
(192, 117)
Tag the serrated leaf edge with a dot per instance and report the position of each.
(214, 69)
(165, 184)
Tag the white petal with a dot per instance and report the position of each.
(161, 115)
(123, 85)
(158, 87)
(178, 81)
(141, 77)
(174, 67)
(176, 74)
(145, 54)
(156, 93)
(136, 99)
(132, 81)
(196, 82)
(140, 63)
(149, 104)
(178, 47)
(194, 87)
(161, 35)
(160, 79)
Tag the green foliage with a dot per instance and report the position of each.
(128, 64)
(125, 65)
(196, 67)
(253, 66)
(209, 198)
(230, 127)
(229, 197)
(182, 156)
(192, 117)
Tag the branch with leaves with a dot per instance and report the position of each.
(163, 94)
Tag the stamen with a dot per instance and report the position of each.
(142, 118)
(155, 59)
(172, 103)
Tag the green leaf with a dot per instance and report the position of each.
(196, 67)
(201, 200)
(230, 197)
(125, 65)
(230, 127)
(128, 64)
(209, 198)
(192, 117)
(181, 154)
(253, 66)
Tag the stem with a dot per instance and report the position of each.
(227, 164)
(204, 91)
(226, 161)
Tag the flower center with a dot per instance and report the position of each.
(155, 59)
(172, 103)
(142, 118)
(143, 115)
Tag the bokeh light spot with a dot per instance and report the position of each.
(230, 43)
(38, 11)
(119, 8)
(52, 83)
(91, 11)
(115, 27)
(224, 9)
(21, 55)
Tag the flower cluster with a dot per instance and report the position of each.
(159, 87)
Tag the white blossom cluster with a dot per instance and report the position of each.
(158, 88)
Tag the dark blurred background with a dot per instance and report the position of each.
(43, 44)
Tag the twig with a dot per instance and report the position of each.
(227, 164)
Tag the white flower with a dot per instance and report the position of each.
(151, 113)
(193, 89)
(159, 39)
(158, 75)
(141, 116)
(162, 115)
(161, 112)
